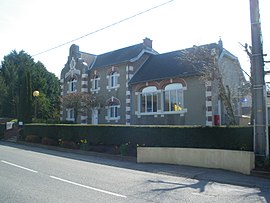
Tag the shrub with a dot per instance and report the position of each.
(124, 148)
(32, 138)
(49, 141)
(2, 129)
(69, 144)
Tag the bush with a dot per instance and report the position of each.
(49, 141)
(69, 144)
(2, 130)
(33, 139)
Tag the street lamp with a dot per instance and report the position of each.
(35, 95)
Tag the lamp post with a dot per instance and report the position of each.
(35, 95)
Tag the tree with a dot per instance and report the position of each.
(49, 87)
(20, 76)
(81, 102)
(25, 98)
(205, 59)
(13, 71)
(3, 93)
(248, 52)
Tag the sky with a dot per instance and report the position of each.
(38, 25)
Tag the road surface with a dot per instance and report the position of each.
(30, 174)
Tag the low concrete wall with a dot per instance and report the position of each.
(239, 161)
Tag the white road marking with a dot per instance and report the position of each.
(28, 169)
(88, 187)
(67, 181)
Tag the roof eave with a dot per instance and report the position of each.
(163, 78)
(141, 53)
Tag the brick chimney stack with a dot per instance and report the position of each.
(220, 43)
(147, 42)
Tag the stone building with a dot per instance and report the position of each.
(140, 86)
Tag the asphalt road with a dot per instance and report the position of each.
(30, 174)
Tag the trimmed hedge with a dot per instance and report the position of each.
(2, 130)
(231, 138)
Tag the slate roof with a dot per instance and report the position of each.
(88, 58)
(163, 66)
(168, 65)
(119, 56)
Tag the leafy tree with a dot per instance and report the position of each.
(49, 87)
(25, 99)
(207, 60)
(81, 102)
(3, 93)
(13, 71)
(21, 75)
(248, 50)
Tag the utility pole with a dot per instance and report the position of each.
(261, 146)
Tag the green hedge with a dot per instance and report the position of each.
(233, 138)
(2, 130)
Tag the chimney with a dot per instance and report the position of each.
(147, 42)
(220, 43)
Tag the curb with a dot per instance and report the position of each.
(260, 173)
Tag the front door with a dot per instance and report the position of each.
(94, 116)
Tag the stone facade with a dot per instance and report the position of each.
(175, 95)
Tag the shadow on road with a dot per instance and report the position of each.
(203, 175)
(199, 185)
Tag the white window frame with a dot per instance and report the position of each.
(95, 84)
(160, 95)
(70, 114)
(147, 92)
(115, 109)
(178, 100)
(113, 80)
(72, 86)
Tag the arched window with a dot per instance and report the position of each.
(149, 100)
(113, 106)
(173, 97)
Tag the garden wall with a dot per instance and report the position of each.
(239, 161)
